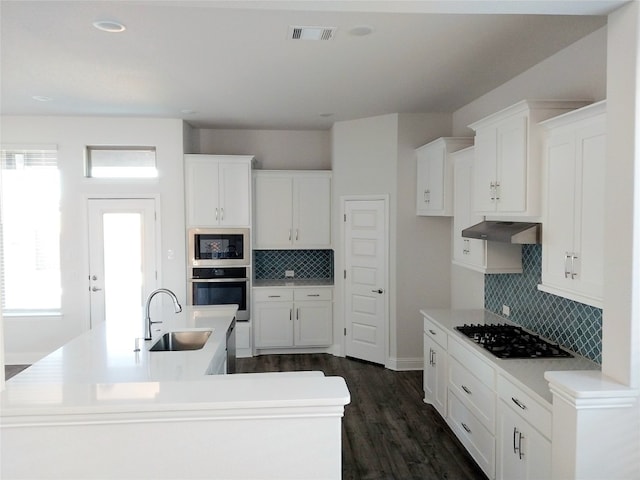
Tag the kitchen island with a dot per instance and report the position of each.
(98, 409)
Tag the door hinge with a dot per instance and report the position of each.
(345, 331)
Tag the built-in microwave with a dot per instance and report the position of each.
(218, 247)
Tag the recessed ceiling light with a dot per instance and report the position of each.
(42, 98)
(361, 30)
(109, 26)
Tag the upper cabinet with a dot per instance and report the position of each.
(471, 253)
(573, 218)
(508, 151)
(218, 190)
(434, 175)
(292, 209)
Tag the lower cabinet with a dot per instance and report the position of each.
(435, 368)
(293, 317)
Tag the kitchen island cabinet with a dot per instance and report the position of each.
(292, 209)
(573, 233)
(158, 415)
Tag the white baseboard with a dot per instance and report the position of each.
(405, 364)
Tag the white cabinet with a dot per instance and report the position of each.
(292, 317)
(508, 148)
(472, 404)
(573, 219)
(218, 190)
(475, 254)
(292, 210)
(524, 452)
(435, 366)
(434, 175)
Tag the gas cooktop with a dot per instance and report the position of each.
(510, 341)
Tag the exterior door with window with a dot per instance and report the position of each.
(122, 260)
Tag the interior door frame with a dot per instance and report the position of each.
(343, 263)
(158, 238)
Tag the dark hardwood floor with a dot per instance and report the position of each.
(388, 432)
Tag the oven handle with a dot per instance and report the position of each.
(218, 280)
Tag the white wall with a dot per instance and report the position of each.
(376, 156)
(27, 338)
(274, 149)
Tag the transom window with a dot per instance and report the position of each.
(121, 162)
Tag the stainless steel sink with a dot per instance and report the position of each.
(179, 341)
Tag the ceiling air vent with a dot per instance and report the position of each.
(311, 33)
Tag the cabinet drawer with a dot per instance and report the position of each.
(435, 332)
(474, 436)
(310, 293)
(524, 405)
(273, 294)
(479, 398)
(482, 370)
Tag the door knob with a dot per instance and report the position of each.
(378, 291)
(95, 289)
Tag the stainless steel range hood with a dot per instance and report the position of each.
(506, 232)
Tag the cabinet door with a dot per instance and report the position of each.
(313, 323)
(511, 167)
(560, 207)
(467, 251)
(235, 187)
(273, 211)
(435, 375)
(273, 324)
(201, 185)
(523, 453)
(430, 182)
(484, 173)
(312, 212)
(590, 200)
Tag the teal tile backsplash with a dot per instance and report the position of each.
(572, 324)
(271, 264)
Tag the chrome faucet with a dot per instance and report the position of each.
(176, 305)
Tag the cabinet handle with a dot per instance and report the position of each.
(464, 425)
(432, 332)
(516, 447)
(492, 190)
(467, 391)
(567, 272)
(573, 266)
(216, 214)
(289, 234)
(497, 190)
(519, 403)
(313, 295)
(433, 357)
(520, 452)
(221, 214)
(274, 296)
(296, 234)
(290, 314)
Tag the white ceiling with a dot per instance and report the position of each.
(229, 64)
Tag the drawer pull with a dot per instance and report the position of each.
(464, 425)
(466, 389)
(313, 295)
(432, 332)
(519, 403)
(274, 296)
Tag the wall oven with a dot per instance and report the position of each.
(218, 247)
(220, 286)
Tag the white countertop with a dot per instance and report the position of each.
(104, 356)
(293, 282)
(529, 373)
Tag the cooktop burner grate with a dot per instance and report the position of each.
(510, 341)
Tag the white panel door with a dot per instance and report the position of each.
(312, 211)
(202, 201)
(512, 165)
(235, 194)
(122, 261)
(366, 268)
(273, 211)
